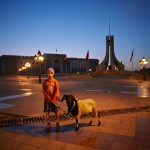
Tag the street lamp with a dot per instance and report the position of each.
(143, 63)
(28, 65)
(39, 59)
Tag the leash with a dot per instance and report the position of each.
(58, 107)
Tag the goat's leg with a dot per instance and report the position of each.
(99, 122)
(96, 114)
(68, 113)
(77, 124)
(91, 119)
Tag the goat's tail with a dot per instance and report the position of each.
(94, 110)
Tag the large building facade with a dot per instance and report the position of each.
(10, 64)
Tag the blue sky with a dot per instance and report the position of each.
(75, 26)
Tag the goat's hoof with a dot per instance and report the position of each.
(90, 123)
(77, 128)
(57, 127)
(99, 123)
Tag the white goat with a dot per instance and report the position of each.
(79, 107)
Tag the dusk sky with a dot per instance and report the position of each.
(75, 26)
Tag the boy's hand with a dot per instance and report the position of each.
(48, 97)
(59, 100)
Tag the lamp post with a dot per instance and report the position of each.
(28, 65)
(23, 70)
(39, 59)
(20, 71)
(143, 63)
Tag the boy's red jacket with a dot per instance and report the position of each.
(51, 90)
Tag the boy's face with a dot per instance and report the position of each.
(50, 75)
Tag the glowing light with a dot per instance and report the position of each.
(27, 65)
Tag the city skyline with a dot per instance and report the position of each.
(73, 27)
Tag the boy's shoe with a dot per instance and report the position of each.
(48, 127)
(57, 127)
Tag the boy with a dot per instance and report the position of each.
(51, 93)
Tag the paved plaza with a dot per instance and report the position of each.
(22, 97)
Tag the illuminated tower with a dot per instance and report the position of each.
(110, 61)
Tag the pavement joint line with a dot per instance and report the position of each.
(40, 119)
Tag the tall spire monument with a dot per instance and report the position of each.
(110, 61)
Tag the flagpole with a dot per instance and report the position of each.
(65, 61)
(66, 68)
(132, 62)
(132, 67)
(87, 60)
